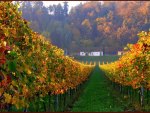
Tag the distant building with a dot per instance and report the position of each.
(121, 52)
(82, 54)
(98, 53)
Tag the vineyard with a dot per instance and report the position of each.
(30, 66)
(36, 76)
(133, 68)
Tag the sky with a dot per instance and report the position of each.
(70, 3)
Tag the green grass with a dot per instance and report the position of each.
(97, 58)
(98, 96)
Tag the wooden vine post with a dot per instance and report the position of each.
(142, 96)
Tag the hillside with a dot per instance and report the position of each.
(108, 26)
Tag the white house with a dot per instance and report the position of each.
(82, 53)
(101, 53)
(98, 53)
(121, 52)
(95, 53)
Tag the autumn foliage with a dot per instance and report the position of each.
(30, 66)
(133, 68)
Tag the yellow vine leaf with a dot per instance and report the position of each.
(1, 12)
(29, 71)
(7, 98)
(1, 91)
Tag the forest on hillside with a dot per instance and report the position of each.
(92, 26)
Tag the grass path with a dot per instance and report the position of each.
(98, 96)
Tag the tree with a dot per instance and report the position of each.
(93, 23)
(65, 9)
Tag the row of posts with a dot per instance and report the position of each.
(141, 96)
(94, 62)
(52, 103)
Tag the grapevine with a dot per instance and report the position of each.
(30, 66)
(133, 68)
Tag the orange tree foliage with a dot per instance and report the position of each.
(133, 68)
(30, 65)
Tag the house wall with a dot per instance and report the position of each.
(91, 53)
(82, 53)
